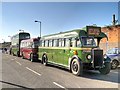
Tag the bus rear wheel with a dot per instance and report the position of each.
(23, 56)
(44, 60)
(18, 54)
(13, 54)
(76, 67)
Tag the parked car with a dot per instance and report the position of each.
(114, 55)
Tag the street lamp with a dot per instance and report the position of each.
(10, 38)
(40, 26)
(21, 30)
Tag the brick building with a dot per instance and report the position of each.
(113, 33)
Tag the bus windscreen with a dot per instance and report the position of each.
(88, 41)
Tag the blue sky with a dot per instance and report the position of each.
(55, 16)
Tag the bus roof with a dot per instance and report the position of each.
(30, 40)
(20, 33)
(67, 34)
(76, 33)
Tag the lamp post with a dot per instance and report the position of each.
(40, 26)
(10, 38)
(21, 30)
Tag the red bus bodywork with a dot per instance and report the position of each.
(29, 49)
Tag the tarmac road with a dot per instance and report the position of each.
(21, 73)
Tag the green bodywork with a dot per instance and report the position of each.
(15, 50)
(61, 55)
(16, 40)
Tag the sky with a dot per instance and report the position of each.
(55, 17)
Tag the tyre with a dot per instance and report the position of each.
(23, 56)
(44, 60)
(76, 67)
(114, 64)
(18, 54)
(106, 69)
(31, 57)
(13, 54)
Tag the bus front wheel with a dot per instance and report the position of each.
(106, 69)
(44, 60)
(76, 67)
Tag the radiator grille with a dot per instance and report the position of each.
(98, 57)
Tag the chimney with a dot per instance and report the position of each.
(114, 21)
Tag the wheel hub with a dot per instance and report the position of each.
(75, 67)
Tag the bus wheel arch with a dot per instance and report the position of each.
(44, 59)
(76, 66)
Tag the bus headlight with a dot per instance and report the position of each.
(105, 56)
(88, 56)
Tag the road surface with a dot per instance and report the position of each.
(21, 73)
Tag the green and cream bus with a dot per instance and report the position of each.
(75, 50)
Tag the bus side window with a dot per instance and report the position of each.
(60, 42)
(78, 43)
(21, 44)
(63, 42)
(43, 43)
(30, 44)
(67, 42)
(46, 43)
(50, 43)
(73, 42)
(40, 42)
(56, 43)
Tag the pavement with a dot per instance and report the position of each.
(21, 73)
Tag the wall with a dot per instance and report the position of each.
(113, 33)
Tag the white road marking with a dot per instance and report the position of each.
(18, 63)
(33, 71)
(58, 85)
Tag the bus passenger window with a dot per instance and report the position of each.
(67, 42)
(73, 42)
(60, 42)
(46, 43)
(56, 43)
(50, 43)
(78, 43)
(40, 43)
(63, 42)
(43, 43)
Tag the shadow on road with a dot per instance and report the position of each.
(23, 87)
(113, 76)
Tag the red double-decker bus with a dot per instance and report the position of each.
(29, 49)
